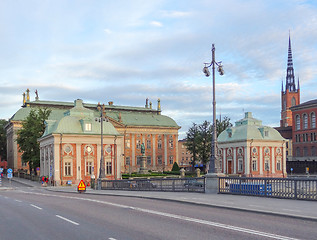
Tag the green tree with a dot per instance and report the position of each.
(3, 140)
(33, 128)
(222, 125)
(199, 139)
(175, 167)
(205, 137)
(192, 142)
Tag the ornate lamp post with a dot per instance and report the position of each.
(101, 119)
(213, 157)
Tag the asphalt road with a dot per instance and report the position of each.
(32, 213)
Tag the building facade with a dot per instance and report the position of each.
(290, 96)
(252, 150)
(133, 126)
(185, 158)
(304, 137)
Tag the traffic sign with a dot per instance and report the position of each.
(81, 187)
(9, 170)
(1, 170)
(9, 175)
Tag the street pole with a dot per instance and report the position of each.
(102, 164)
(211, 177)
(213, 157)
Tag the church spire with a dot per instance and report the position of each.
(290, 79)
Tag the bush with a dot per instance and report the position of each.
(175, 167)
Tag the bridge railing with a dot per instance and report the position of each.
(291, 188)
(157, 184)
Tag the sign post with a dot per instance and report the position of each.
(9, 175)
(81, 187)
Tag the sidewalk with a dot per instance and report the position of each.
(280, 207)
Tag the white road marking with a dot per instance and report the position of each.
(66, 219)
(17, 200)
(179, 217)
(112, 239)
(36, 206)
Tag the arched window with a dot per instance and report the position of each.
(305, 121)
(297, 152)
(312, 120)
(297, 122)
(293, 101)
(313, 151)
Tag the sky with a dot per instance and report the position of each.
(127, 51)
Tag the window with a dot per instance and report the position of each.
(88, 167)
(297, 152)
(138, 144)
(127, 161)
(278, 165)
(297, 122)
(171, 159)
(171, 143)
(305, 151)
(67, 169)
(148, 160)
(266, 165)
(159, 144)
(305, 121)
(266, 133)
(88, 127)
(159, 160)
(240, 165)
(127, 143)
(313, 137)
(138, 160)
(254, 165)
(293, 101)
(312, 120)
(108, 168)
(148, 143)
(313, 151)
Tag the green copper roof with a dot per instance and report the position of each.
(79, 120)
(249, 128)
(130, 116)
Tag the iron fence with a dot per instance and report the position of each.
(157, 184)
(291, 188)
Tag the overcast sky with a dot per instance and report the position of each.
(127, 51)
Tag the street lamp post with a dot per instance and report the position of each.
(101, 119)
(212, 163)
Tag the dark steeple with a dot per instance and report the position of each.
(290, 79)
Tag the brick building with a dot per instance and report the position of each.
(290, 96)
(304, 137)
(72, 133)
(184, 156)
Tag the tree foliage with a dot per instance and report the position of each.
(199, 139)
(33, 128)
(175, 167)
(192, 142)
(3, 140)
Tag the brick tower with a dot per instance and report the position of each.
(290, 95)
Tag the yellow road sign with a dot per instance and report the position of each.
(81, 186)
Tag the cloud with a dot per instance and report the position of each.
(156, 24)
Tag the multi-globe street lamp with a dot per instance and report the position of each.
(101, 119)
(213, 157)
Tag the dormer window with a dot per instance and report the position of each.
(88, 127)
(266, 133)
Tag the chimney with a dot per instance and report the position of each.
(146, 103)
(150, 105)
(23, 104)
(159, 106)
